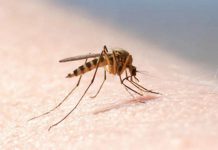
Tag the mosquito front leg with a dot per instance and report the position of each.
(127, 78)
(93, 78)
(122, 82)
(127, 88)
(141, 87)
(138, 86)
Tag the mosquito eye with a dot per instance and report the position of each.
(134, 71)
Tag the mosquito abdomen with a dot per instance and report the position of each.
(88, 66)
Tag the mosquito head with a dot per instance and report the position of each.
(133, 71)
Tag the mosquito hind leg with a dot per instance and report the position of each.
(93, 78)
(100, 86)
(65, 98)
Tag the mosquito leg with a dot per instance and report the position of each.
(101, 85)
(93, 78)
(122, 82)
(127, 88)
(129, 92)
(127, 78)
(136, 78)
(107, 59)
(134, 84)
(132, 89)
(126, 73)
(141, 87)
(115, 69)
(65, 98)
(146, 89)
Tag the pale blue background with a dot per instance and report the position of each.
(186, 28)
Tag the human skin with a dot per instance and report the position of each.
(35, 36)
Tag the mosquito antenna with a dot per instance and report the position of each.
(142, 72)
(146, 73)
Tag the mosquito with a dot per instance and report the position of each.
(116, 62)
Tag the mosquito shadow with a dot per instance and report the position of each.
(141, 99)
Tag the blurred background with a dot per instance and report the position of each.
(187, 29)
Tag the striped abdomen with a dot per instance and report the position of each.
(88, 66)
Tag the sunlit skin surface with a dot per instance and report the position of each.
(34, 36)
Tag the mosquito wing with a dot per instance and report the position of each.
(80, 57)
